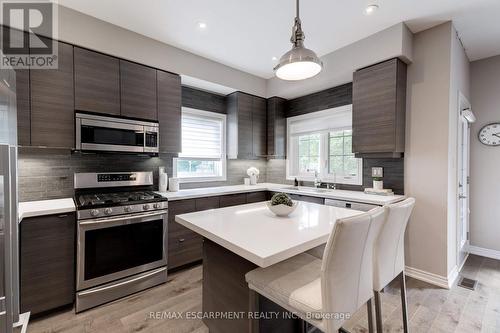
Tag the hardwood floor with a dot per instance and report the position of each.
(431, 309)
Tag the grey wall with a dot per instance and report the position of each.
(484, 162)
(438, 72)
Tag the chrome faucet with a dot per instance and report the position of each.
(317, 181)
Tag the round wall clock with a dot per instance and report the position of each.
(490, 134)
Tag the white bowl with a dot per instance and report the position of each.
(282, 210)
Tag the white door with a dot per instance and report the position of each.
(463, 183)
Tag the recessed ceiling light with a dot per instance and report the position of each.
(370, 9)
(274, 58)
(202, 25)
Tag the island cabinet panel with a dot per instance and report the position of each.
(138, 91)
(378, 108)
(259, 126)
(52, 103)
(219, 280)
(233, 200)
(276, 127)
(184, 245)
(256, 196)
(169, 111)
(47, 262)
(97, 82)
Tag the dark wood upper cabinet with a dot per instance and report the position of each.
(259, 126)
(52, 103)
(379, 105)
(97, 82)
(276, 127)
(246, 128)
(22, 91)
(239, 126)
(23, 107)
(169, 111)
(47, 262)
(138, 91)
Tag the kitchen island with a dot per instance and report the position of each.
(241, 238)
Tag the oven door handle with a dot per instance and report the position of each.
(121, 218)
(112, 286)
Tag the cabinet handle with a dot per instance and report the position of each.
(62, 216)
(181, 240)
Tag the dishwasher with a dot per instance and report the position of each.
(350, 204)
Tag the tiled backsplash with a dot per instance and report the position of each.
(48, 174)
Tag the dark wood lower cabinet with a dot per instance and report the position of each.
(256, 197)
(47, 262)
(184, 245)
(233, 200)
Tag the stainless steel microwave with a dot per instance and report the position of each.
(104, 133)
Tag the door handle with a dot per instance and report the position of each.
(462, 196)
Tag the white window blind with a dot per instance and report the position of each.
(202, 136)
(203, 156)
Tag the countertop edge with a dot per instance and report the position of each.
(277, 187)
(59, 206)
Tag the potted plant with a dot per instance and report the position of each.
(253, 173)
(281, 204)
(378, 183)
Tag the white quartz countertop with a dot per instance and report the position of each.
(356, 196)
(253, 232)
(45, 207)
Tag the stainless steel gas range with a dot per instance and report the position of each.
(121, 236)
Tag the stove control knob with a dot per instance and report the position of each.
(127, 209)
(94, 212)
(146, 207)
(157, 205)
(108, 211)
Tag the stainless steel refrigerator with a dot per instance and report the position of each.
(9, 245)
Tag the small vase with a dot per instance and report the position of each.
(378, 184)
(253, 180)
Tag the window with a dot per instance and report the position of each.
(320, 143)
(203, 156)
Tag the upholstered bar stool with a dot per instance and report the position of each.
(389, 257)
(325, 292)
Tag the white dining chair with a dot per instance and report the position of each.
(389, 257)
(324, 293)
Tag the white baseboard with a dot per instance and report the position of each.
(431, 278)
(481, 251)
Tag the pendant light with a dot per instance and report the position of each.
(299, 63)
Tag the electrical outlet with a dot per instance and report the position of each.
(377, 172)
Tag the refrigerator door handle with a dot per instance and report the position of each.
(15, 233)
(7, 320)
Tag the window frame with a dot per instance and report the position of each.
(223, 159)
(292, 160)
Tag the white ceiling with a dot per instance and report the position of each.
(246, 34)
